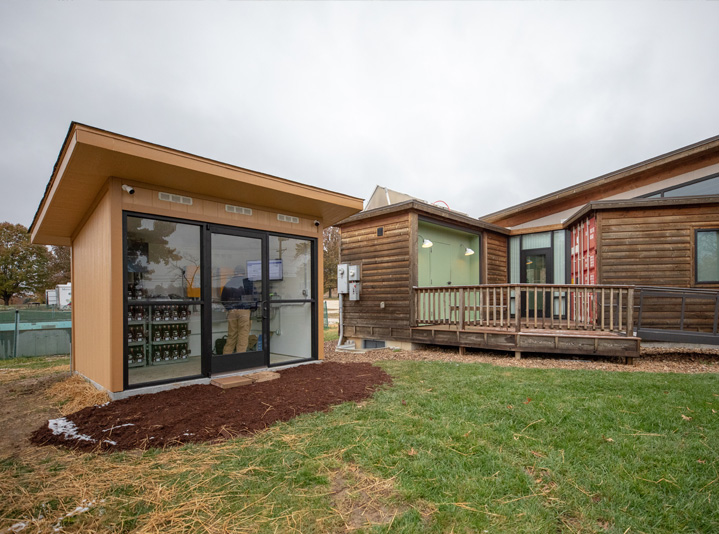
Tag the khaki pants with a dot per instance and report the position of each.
(238, 331)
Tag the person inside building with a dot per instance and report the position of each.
(238, 300)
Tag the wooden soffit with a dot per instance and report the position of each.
(90, 156)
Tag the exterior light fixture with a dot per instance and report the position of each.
(467, 251)
(426, 243)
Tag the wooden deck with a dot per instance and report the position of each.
(580, 342)
(558, 319)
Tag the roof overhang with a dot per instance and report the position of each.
(90, 156)
(579, 193)
(640, 203)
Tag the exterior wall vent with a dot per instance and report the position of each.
(177, 199)
(237, 209)
(373, 344)
(288, 218)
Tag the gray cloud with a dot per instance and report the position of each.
(482, 105)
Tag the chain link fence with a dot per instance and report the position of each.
(34, 331)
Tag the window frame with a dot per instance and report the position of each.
(697, 231)
(661, 192)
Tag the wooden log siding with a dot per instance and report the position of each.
(655, 247)
(515, 307)
(385, 277)
(651, 247)
(496, 258)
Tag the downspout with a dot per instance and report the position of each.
(347, 346)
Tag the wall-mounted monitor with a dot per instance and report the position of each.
(254, 270)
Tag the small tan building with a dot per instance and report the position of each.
(184, 267)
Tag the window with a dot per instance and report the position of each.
(707, 259)
(709, 185)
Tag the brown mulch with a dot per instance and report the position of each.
(200, 413)
(653, 359)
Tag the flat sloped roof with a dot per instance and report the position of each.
(89, 156)
(585, 188)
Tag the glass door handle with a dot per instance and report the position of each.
(265, 305)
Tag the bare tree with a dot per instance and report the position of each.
(331, 244)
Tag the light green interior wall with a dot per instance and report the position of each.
(445, 260)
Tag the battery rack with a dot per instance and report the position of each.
(157, 334)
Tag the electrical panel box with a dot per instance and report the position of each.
(342, 279)
(354, 273)
(354, 290)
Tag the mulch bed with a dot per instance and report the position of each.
(207, 413)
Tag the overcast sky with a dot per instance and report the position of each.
(482, 105)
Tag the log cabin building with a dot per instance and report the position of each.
(589, 269)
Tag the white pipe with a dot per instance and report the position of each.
(339, 341)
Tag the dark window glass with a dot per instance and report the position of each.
(705, 187)
(708, 256)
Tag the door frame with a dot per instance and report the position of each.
(250, 359)
(548, 254)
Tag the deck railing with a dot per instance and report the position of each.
(687, 315)
(531, 306)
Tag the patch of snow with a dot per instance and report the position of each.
(17, 527)
(67, 429)
(85, 505)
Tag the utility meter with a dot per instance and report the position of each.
(354, 273)
(342, 280)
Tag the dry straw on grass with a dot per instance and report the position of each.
(75, 393)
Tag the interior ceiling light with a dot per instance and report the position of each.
(426, 243)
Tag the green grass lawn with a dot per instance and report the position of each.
(447, 448)
(332, 333)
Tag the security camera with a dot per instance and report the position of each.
(317, 223)
(128, 189)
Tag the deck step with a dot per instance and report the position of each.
(264, 376)
(227, 382)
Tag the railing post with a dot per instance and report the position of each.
(461, 308)
(630, 311)
(414, 311)
(518, 307)
(681, 323)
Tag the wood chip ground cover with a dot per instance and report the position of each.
(200, 413)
